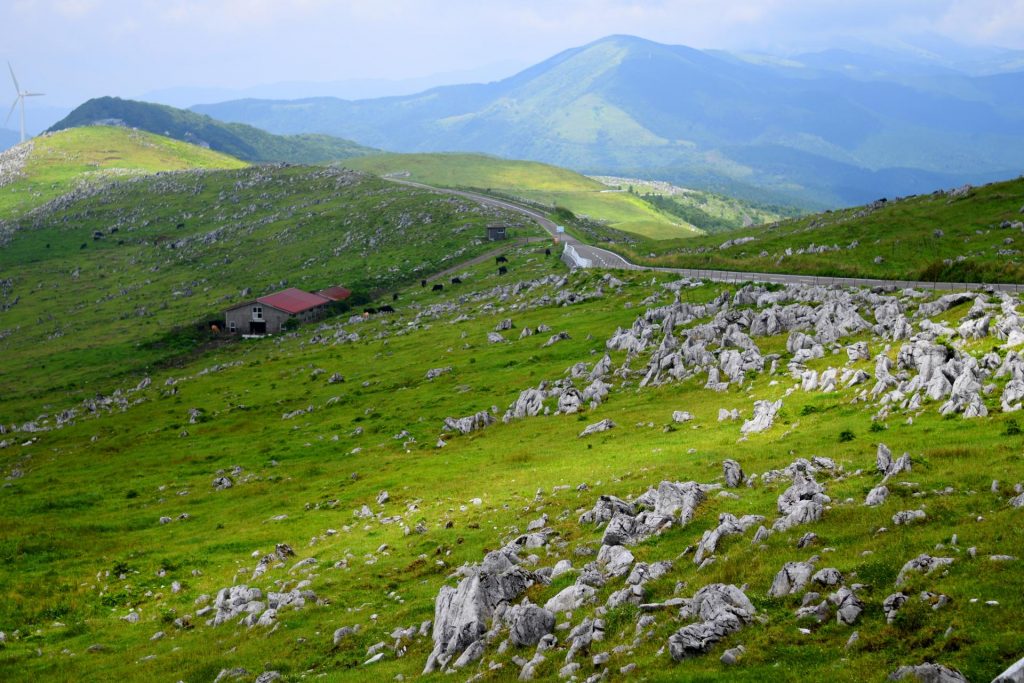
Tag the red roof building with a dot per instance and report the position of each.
(277, 312)
(335, 293)
(293, 300)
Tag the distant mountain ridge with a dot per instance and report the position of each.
(238, 140)
(806, 130)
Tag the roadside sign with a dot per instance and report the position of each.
(559, 228)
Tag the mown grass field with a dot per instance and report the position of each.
(940, 237)
(61, 162)
(87, 506)
(535, 182)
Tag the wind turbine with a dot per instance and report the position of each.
(22, 94)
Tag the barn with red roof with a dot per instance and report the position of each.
(269, 314)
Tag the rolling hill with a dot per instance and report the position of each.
(761, 130)
(150, 256)
(533, 182)
(237, 140)
(49, 166)
(967, 234)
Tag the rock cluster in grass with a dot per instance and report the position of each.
(486, 614)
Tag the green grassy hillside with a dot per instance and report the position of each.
(117, 514)
(118, 280)
(52, 165)
(149, 465)
(534, 182)
(236, 139)
(968, 235)
(705, 210)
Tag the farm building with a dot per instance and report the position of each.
(268, 314)
(496, 232)
(336, 293)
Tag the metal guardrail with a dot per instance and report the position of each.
(573, 259)
(825, 280)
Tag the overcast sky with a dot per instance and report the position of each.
(76, 49)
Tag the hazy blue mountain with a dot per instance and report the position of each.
(352, 88)
(8, 138)
(805, 130)
(238, 140)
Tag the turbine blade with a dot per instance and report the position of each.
(13, 77)
(33, 94)
(13, 107)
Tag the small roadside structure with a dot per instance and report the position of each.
(269, 314)
(496, 231)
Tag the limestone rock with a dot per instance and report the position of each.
(571, 598)
(877, 496)
(721, 609)
(602, 426)
(471, 423)
(927, 673)
(461, 613)
(891, 605)
(733, 473)
(764, 417)
(908, 517)
(529, 623)
(792, 578)
(1013, 674)
(924, 564)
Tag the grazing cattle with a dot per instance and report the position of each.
(386, 308)
(456, 281)
(500, 259)
(423, 283)
(84, 245)
(437, 288)
(215, 328)
(369, 311)
(547, 252)
(502, 270)
(394, 297)
(180, 226)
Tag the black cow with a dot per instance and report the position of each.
(437, 288)
(369, 311)
(500, 259)
(386, 308)
(423, 283)
(502, 270)
(456, 281)
(394, 297)
(180, 226)
(547, 252)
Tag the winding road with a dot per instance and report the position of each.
(602, 258)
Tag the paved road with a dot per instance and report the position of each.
(603, 258)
